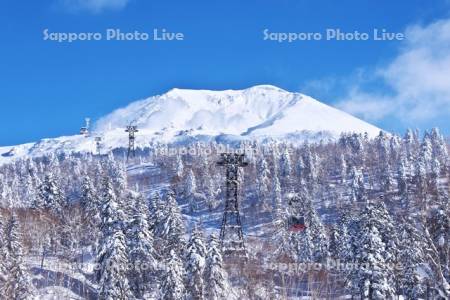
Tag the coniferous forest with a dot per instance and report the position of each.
(356, 217)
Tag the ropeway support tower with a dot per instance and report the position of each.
(231, 234)
(98, 144)
(131, 129)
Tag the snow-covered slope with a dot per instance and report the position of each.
(258, 112)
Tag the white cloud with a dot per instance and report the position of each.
(94, 6)
(367, 105)
(418, 79)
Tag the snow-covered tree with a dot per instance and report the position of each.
(195, 265)
(278, 214)
(113, 267)
(50, 195)
(402, 183)
(333, 245)
(316, 231)
(191, 189)
(420, 179)
(171, 229)
(410, 145)
(346, 229)
(191, 183)
(54, 166)
(172, 285)
(357, 186)
(411, 256)
(28, 190)
(438, 224)
(305, 246)
(3, 266)
(310, 165)
(422, 169)
(373, 276)
(112, 257)
(141, 252)
(435, 173)
(90, 205)
(388, 232)
(215, 275)
(285, 164)
(112, 215)
(179, 167)
(300, 168)
(18, 282)
(387, 179)
(439, 147)
(342, 168)
(118, 174)
(155, 211)
(384, 172)
(281, 235)
(211, 193)
(89, 201)
(3, 190)
(263, 183)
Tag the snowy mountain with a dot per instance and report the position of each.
(262, 110)
(258, 112)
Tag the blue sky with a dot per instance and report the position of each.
(47, 88)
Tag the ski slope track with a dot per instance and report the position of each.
(261, 113)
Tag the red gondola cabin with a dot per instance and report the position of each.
(297, 224)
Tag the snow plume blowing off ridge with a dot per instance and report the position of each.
(254, 112)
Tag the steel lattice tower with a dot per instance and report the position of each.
(231, 235)
(131, 137)
(98, 144)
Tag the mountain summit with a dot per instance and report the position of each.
(181, 115)
(262, 110)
